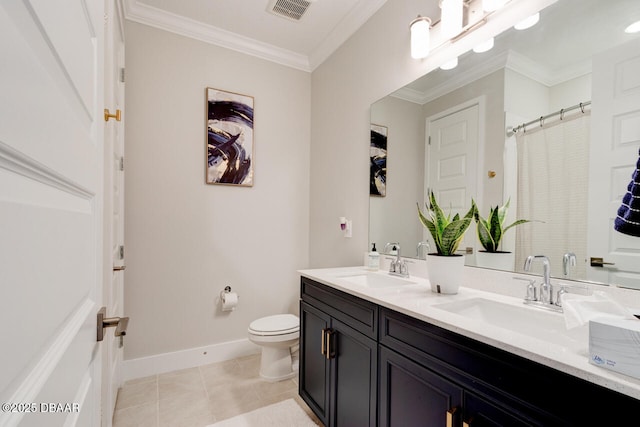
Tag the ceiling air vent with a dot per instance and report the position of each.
(289, 9)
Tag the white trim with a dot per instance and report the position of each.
(30, 386)
(16, 162)
(344, 30)
(190, 358)
(163, 20)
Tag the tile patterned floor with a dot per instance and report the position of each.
(200, 396)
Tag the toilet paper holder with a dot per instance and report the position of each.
(228, 299)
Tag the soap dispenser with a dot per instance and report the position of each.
(374, 259)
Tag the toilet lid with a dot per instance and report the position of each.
(275, 325)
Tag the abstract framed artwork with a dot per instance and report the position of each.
(378, 161)
(230, 145)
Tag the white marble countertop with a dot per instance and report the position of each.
(565, 350)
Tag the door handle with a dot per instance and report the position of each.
(120, 323)
(119, 268)
(599, 262)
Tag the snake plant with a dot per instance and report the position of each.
(447, 232)
(492, 229)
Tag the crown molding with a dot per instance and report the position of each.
(344, 30)
(167, 21)
(483, 69)
(507, 59)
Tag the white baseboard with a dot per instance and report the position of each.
(167, 362)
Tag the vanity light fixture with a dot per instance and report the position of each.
(527, 22)
(484, 46)
(493, 5)
(420, 37)
(633, 28)
(450, 65)
(451, 17)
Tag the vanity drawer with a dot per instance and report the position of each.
(498, 375)
(355, 312)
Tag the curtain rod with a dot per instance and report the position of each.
(523, 127)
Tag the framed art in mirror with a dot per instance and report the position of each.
(229, 138)
(378, 161)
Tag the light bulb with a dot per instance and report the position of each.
(484, 46)
(633, 28)
(451, 18)
(528, 22)
(420, 37)
(450, 65)
(491, 5)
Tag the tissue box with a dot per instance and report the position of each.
(614, 343)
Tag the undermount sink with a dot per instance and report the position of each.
(374, 280)
(532, 322)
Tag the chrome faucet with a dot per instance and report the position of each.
(398, 266)
(546, 290)
(568, 260)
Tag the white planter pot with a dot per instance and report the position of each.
(445, 273)
(496, 260)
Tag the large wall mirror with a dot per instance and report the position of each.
(448, 132)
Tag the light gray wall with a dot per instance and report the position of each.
(374, 62)
(185, 240)
(394, 217)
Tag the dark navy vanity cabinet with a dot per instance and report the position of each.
(338, 356)
(365, 365)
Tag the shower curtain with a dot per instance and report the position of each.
(553, 175)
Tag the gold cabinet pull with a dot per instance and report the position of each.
(119, 268)
(330, 351)
(108, 115)
(450, 413)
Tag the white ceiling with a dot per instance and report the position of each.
(247, 26)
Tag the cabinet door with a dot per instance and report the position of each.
(314, 381)
(481, 412)
(354, 374)
(412, 395)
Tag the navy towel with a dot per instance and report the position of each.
(628, 219)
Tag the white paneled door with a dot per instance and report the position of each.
(51, 211)
(615, 141)
(452, 161)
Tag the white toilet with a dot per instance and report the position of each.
(276, 335)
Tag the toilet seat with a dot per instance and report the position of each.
(279, 324)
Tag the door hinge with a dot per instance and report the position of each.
(122, 75)
(121, 165)
(121, 251)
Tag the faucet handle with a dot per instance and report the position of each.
(531, 289)
(571, 289)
